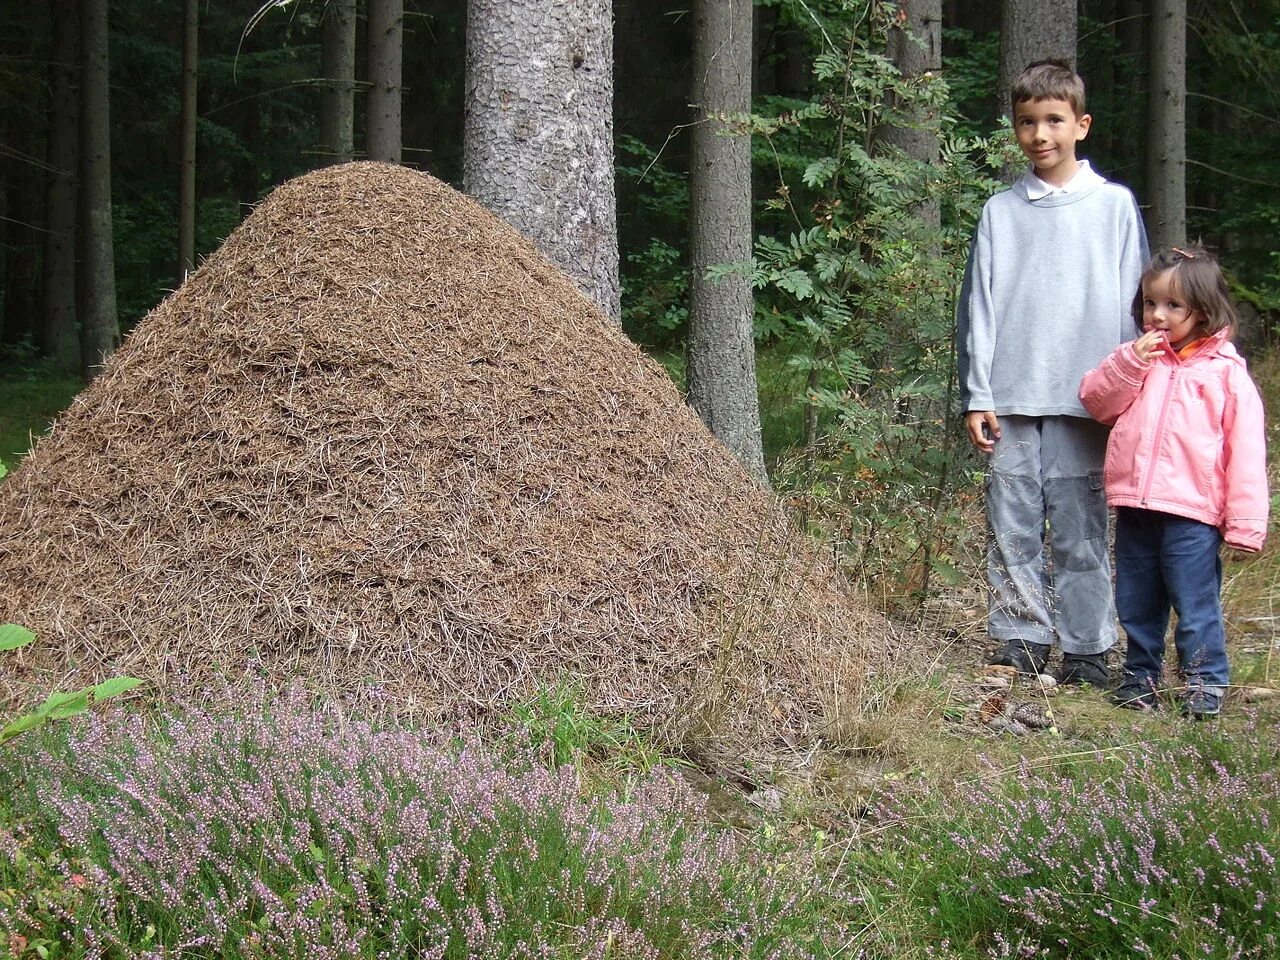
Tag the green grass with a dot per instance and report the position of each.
(31, 396)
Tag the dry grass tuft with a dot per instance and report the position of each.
(379, 443)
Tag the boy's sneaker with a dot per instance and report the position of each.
(1080, 668)
(1200, 704)
(1136, 693)
(1023, 655)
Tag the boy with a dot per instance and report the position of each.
(1047, 292)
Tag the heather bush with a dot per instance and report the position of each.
(1160, 850)
(279, 833)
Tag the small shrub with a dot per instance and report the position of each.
(276, 833)
(1166, 851)
(58, 705)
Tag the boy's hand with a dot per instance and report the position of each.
(1148, 345)
(984, 429)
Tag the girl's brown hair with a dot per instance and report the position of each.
(1198, 279)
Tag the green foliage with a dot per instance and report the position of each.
(565, 732)
(856, 275)
(973, 70)
(57, 706)
(1233, 130)
(655, 277)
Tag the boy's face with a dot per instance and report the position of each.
(1048, 131)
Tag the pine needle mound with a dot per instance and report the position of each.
(379, 443)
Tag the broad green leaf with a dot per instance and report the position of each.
(27, 722)
(114, 687)
(59, 706)
(13, 636)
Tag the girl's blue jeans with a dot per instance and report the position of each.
(1165, 562)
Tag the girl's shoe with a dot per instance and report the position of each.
(1136, 693)
(1023, 655)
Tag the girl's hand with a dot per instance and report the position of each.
(1148, 345)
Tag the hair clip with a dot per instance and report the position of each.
(1182, 253)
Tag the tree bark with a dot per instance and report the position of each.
(915, 47)
(538, 137)
(722, 364)
(100, 328)
(1132, 33)
(338, 68)
(187, 183)
(60, 340)
(1032, 30)
(386, 49)
(1166, 124)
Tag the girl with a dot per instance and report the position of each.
(1185, 469)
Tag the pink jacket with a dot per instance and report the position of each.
(1189, 437)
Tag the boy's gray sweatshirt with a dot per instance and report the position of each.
(1048, 292)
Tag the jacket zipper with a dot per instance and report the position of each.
(1159, 438)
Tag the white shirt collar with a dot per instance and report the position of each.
(1084, 177)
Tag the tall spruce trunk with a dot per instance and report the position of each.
(1132, 31)
(1032, 30)
(386, 50)
(99, 328)
(1167, 124)
(338, 69)
(60, 339)
(538, 135)
(722, 360)
(915, 47)
(187, 123)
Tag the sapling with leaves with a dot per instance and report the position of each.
(58, 705)
(859, 284)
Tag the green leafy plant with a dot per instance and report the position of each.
(564, 731)
(856, 276)
(58, 705)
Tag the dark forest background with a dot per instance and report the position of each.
(258, 109)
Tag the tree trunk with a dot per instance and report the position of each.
(386, 48)
(1132, 33)
(60, 340)
(915, 47)
(1032, 30)
(338, 68)
(1166, 124)
(722, 364)
(187, 183)
(100, 328)
(538, 139)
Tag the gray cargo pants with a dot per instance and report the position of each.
(1044, 485)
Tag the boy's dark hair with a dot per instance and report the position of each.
(1048, 80)
(1198, 279)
